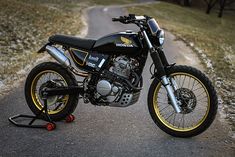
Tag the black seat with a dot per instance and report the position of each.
(70, 41)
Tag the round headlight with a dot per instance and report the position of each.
(161, 36)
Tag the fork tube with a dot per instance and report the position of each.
(155, 57)
(169, 89)
(147, 40)
(161, 71)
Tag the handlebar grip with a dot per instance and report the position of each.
(122, 19)
(115, 19)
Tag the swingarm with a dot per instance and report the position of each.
(62, 91)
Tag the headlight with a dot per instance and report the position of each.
(161, 36)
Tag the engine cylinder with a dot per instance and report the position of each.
(122, 66)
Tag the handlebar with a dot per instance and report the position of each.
(114, 19)
(131, 18)
(122, 19)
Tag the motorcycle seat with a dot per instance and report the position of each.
(71, 41)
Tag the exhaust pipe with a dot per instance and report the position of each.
(63, 60)
(58, 55)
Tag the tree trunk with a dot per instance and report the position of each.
(187, 2)
(222, 5)
(210, 5)
(177, 1)
(208, 10)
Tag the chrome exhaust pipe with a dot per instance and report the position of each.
(58, 55)
(63, 60)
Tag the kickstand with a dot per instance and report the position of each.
(49, 126)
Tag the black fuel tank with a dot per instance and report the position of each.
(126, 43)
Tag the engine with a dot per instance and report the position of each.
(122, 66)
(114, 92)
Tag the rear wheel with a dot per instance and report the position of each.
(198, 103)
(50, 75)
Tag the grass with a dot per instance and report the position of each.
(111, 2)
(214, 36)
(25, 27)
(89, 2)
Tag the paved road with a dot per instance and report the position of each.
(105, 131)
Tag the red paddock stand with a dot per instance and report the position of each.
(70, 118)
(50, 125)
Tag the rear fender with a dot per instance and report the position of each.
(42, 49)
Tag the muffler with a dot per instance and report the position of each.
(63, 60)
(58, 55)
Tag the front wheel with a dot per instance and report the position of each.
(198, 102)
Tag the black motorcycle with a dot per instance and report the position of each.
(181, 99)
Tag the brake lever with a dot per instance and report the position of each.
(132, 16)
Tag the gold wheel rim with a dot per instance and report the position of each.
(166, 122)
(36, 98)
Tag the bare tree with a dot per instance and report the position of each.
(224, 3)
(177, 1)
(187, 2)
(210, 5)
(184, 2)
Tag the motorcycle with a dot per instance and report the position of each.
(181, 99)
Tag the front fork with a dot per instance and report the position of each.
(175, 103)
(158, 62)
(166, 82)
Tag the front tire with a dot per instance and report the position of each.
(45, 75)
(193, 120)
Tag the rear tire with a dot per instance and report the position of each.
(34, 101)
(163, 123)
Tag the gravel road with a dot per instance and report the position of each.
(105, 131)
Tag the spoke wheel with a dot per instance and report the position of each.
(198, 102)
(49, 79)
(45, 76)
(195, 103)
